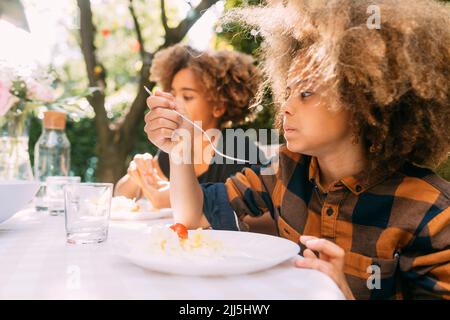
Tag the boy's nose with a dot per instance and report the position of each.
(287, 108)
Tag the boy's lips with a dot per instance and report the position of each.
(288, 129)
(289, 132)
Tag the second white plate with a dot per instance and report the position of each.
(141, 215)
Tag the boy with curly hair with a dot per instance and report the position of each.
(365, 114)
(216, 89)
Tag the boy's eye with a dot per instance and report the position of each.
(187, 98)
(305, 94)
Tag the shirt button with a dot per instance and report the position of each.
(358, 188)
(330, 211)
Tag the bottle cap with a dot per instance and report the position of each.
(54, 120)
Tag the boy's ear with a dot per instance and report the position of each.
(219, 110)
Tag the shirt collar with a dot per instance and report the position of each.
(357, 184)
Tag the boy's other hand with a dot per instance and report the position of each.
(327, 257)
(145, 172)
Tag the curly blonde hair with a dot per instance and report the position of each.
(228, 77)
(395, 80)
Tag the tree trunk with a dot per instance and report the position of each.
(111, 160)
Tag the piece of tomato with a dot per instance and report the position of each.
(180, 229)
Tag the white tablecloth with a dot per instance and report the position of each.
(37, 263)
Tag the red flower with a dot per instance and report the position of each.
(106, 32)
(135, 46)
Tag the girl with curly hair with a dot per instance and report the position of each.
(216, 88)
(365, 110)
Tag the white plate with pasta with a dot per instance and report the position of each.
(206, 252)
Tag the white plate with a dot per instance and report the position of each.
(141, 215)
(146, 212)
(245, 253)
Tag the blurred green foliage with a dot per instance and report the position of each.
(234, 34)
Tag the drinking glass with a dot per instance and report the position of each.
(88, 207)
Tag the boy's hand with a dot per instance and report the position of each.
(145, 172)
(161, 122)
(330, 260)
(145, 169)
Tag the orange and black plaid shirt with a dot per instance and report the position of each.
(399, 223)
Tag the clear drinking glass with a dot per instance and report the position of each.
(87, 212)
(55, 193)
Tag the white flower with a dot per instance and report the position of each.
(38, 91)
(7, 100)
(37, 79)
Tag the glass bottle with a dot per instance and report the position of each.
(51, 153)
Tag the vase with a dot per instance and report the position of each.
(14, 156)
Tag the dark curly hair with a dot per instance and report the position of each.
(395, 80)
(228, 77)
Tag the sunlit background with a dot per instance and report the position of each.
(50, 23)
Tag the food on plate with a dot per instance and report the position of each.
(124, 204)
(180, 229)
(175, 240)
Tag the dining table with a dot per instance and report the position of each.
(36, 262)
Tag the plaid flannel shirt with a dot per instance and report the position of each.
(399, 223)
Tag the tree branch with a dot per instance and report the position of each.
(164, 17)
(139, 105)
(180, 31)
(137, 28)
(87, 31)
(95, 72)
(190, 4)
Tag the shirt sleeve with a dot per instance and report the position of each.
(425, 264)
(245, 193)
